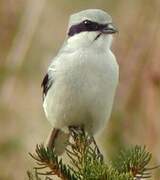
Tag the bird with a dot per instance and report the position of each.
(81, 81)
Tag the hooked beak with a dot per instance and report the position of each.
(109, 29)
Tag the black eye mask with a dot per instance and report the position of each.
(85, 26)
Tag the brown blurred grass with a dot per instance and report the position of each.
(31, 32)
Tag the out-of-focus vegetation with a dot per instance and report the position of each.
(31, 32)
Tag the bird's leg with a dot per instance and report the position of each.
(73, 128)
(76, 130)
(97, 148)
(79, 131)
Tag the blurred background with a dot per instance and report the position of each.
(31, 32)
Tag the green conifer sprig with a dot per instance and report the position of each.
(47, 158)
(134, 160)
(86, 162)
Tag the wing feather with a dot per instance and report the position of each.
(47, 82)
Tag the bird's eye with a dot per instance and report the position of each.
(87, 22)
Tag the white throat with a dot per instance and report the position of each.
(88, 40)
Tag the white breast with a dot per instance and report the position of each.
(84, 89)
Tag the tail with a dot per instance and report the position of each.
(57, 139)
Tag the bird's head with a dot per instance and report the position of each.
(90, 27)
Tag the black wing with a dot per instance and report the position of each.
(47, 83)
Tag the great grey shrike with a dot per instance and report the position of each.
(80, 84)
